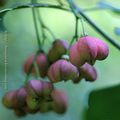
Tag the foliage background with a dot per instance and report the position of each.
(22, 42)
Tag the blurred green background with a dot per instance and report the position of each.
(22, 42)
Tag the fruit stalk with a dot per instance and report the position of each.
(77, 11)
(36, 28)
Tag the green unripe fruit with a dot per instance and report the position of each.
(32, 103)
(58, 49)
(8, 99)
(45, 106)
(47, 89)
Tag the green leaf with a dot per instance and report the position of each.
(104, 104)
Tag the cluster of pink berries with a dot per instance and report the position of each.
(36, 96)
(82, 56)
(40, 95)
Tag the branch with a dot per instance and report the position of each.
(38, 5)
(36, 28)
(102, 33)
(78, 10)
(34, 5)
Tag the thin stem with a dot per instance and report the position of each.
(102, 33)
(83, 29)
(50, 31)
(44, 27)
(36, 27)
(41, 24)
(60, 2)
(75, 37)
(109, 39)
(30, 69)
(76, 28)
(71, 42)
(31, 5)
(79, 11)
(36, 69)
(43, 5)
(38, 5)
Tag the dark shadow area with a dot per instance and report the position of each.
(104, 104)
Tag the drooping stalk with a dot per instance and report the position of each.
(36, 28)
(102, 33)
(79, 11)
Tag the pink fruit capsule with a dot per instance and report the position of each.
(60, 101)
(47, 89)
(28, 63)
(41, 61)
(62, 70)
(88, 72)
(74, 56)
(8, 99)
(21, 97)
(34, 88)
(103, 50)
(85, 50)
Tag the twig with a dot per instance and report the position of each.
(79, 11)
(102, 33)
(44, 27)
(36, 28)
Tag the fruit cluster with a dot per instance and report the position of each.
(36, 96)
(82, 56)
(41, 96)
